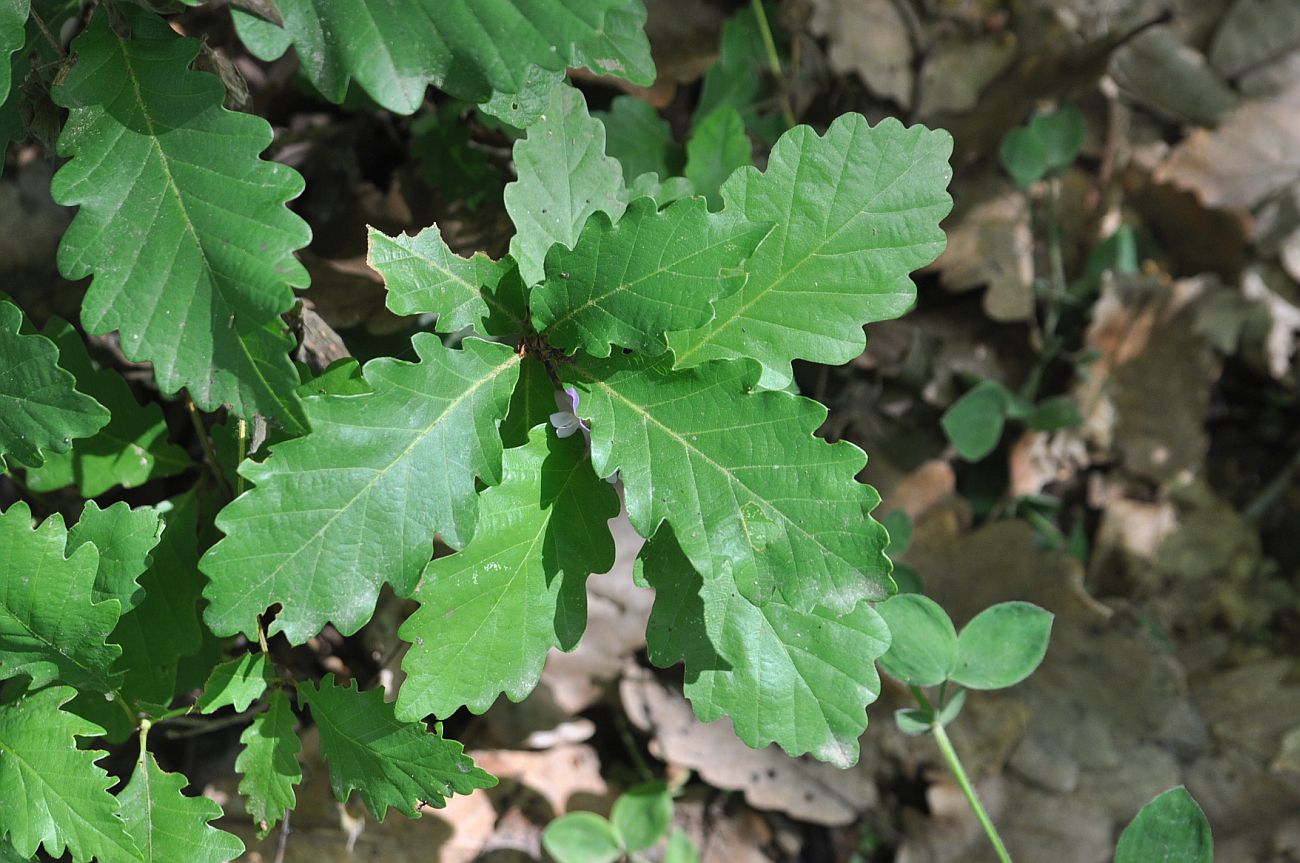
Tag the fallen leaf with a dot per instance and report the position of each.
(870, 38)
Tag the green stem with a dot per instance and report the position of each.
(954, 764)
(145, 725)
(130, 717)
(773, 61)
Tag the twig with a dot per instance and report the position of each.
(205, 442)
(45, 31)
(284, 838)
(773, 62)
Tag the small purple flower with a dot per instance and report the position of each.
(566, 420)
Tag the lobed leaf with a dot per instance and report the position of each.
(564, 177)
(168, 826)
(13, 21)
(638, 137)
(422, 275)
(55, 796)
(182, 226)
(489, 614)
(163, 628)
(236, 683)
(390, 763)
(50, 627)
(717, 148)
(357, 501)
(131, 450)
(619, 48)
(40, 408)
(655, 270)
(269, 764)
(125, 539)
(801, 679)
(856, 210)
(754, 499)
(468, 48)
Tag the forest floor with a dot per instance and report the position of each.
(1154, 283)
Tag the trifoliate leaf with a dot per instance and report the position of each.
(13, 20)
(1171, 828)
(1002, 645)
(54, 795)
(40, 408)
(124, 538)
(620, 48)
(466, 47)
(182, 226)
(168, 826)
(49, 625)
(131, 450)
(639, 138)
(423, 275)
(356, 502)
(779, 516)
(269, 764)
(923, 650)
(718, 147)
(391, 763)
(856, 210)
(564, 177)
(655, 270)
(238, 683)
(642, 815)
(582, 837)
(489, 614)
(741, 659)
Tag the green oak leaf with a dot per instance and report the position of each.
(818, 665)
(620, 48)
(125, 539)
(168, 826)
(183, 227)
(489, 614)
(564, 177)
(856, 210)
(423, 275)
(521, 108)
(269, 764)
(55, 795)
(718, 147)
(40, 408)
(781, 516)
(532, 402)
(468, 48)
(13, 21)
(236, 683)
(50, 627)
(639, 138)
(357, 501)
(131, 450)
(390, 763)
(664, 192)
(655, 270)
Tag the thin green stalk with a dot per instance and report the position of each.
(117, 696)
(773, 61)
(954, 764)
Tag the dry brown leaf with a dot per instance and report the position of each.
(1161, 71)
(617, 611)
(992, 244)
(1145, 335)
(870, 38)
(802, 788)
(956, 72)
(1254, 152)
(567, 777)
